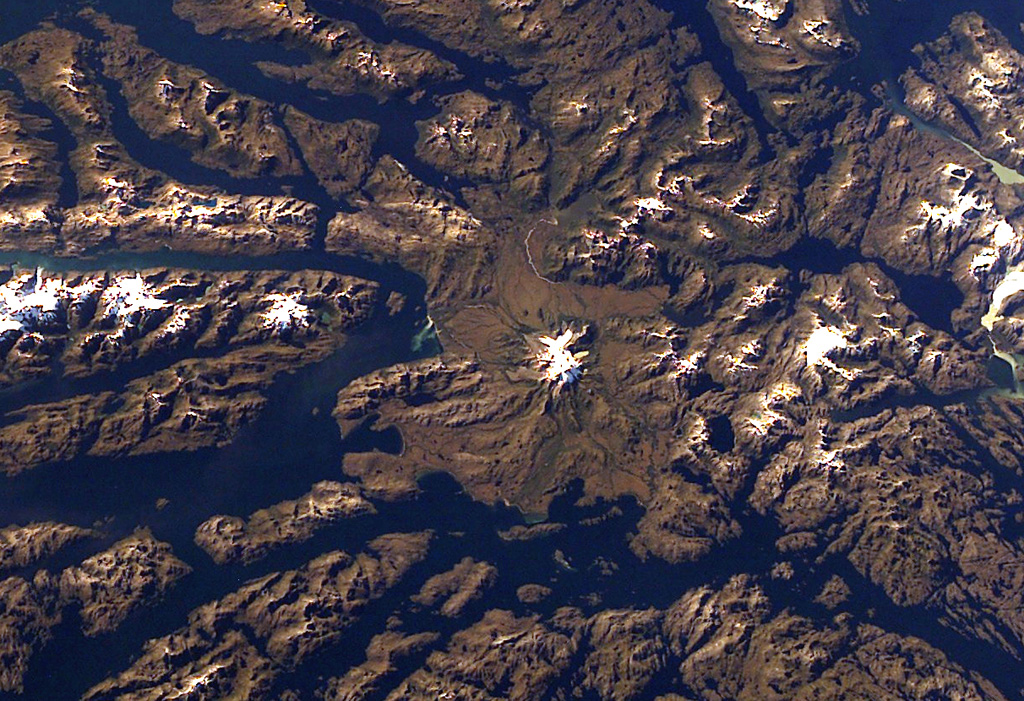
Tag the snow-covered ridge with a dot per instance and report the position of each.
(767, 10)
(286, 312)
(556, 360)
(998, 264)
(30, 302)
(823, 341)
(127, 299)
(99, 320)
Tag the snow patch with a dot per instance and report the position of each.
(743, 361)
(823, 341)
(559, 365)
(127, 299)
(28, 300)
(765, 9)
(760, 295)
(286, 313)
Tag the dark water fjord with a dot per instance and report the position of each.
(292, 446)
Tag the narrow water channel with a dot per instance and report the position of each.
(296, 442)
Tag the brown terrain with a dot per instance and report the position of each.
(554, 349)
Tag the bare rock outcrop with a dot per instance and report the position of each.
(28, 612)
(729, 642)
(401, 219)
(123, 203)
(236, 646)
(487, 142)
(968, 80)
(452, 591)
(338, 153)
(220, 127)
(364, 680)
(25, 545)
(233, 539)
(342, 59)
(111, 585)
(30, 178)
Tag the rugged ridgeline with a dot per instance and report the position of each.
(365, 349)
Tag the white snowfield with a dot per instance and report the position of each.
(29, 301)
(824, 340)
(128, 298)
(286, 313)
(32, 303)
(560, 366)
